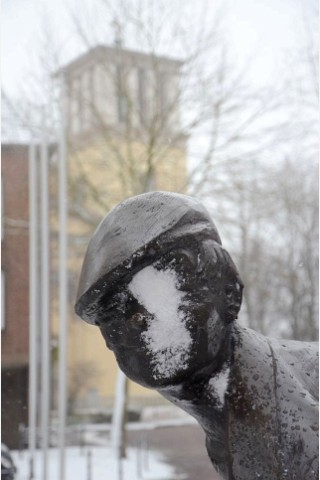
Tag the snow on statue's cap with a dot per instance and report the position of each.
(127, 231)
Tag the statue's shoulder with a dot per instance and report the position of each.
(292, 361)
(296, 353)
(272, 406)
(300, 360)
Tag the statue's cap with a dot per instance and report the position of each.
(127, 231)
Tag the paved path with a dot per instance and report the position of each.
(183, 447)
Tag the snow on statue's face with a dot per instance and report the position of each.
(166, 322)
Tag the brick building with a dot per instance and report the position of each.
(15, 276)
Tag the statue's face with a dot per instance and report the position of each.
(163, 324)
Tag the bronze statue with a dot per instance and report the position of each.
(166, 295)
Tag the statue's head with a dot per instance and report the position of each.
(161, 288)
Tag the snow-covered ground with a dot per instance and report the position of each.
(150, 466)
(96, 460)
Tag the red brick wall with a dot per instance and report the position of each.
(15, 254)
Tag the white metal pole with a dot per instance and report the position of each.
(118, 421)
(33, 305)
(118, 411)
(63, 283)
(45, 316)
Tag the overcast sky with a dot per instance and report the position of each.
(265, 30)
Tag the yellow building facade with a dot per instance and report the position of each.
(124, 138)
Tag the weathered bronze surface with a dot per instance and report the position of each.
(166, 295)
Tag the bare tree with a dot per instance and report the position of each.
(159, 104)
(298, 259)
(270, 210)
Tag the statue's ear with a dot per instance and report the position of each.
(233, 300)
(232, 289)
(226, 281)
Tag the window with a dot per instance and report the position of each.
(98, 92)
(69, 102)
(142, 94)
(76, 105)
(3, 300)
(2, 208)
(85, 95)
(121, 97)
(162, 93)
(92, 93)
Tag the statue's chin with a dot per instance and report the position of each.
(148, 379)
